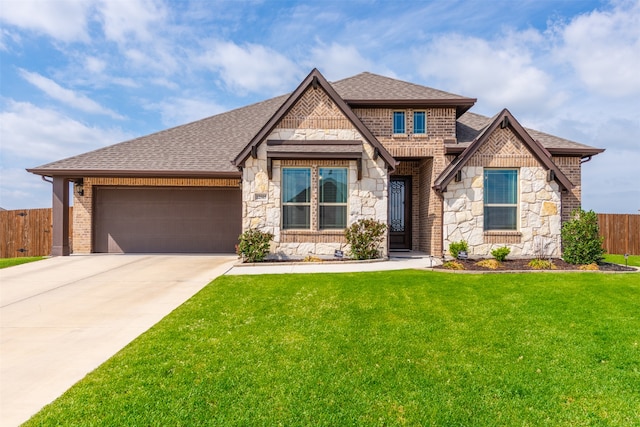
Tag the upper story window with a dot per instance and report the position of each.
(296, 198)
(399, 122)
(419, 122)
(500, 199)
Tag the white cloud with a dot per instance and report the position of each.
(95, 65)
(495, 72)
(604, 49)
(69, 97)
(54, 137)
(22, 190)
(338, 61)
(64, 20)
(178, 111)
(250, 68)
(124, 20)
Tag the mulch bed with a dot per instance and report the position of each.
(522, 265)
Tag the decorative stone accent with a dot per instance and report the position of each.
(367, 197)
(538, 209)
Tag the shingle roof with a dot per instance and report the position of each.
(470, 125)
(373, 87)
(206, 147)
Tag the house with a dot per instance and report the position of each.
(306, 165)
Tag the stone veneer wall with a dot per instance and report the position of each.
(539, 202)
(261, 207)
(538, 210)
(83, 205)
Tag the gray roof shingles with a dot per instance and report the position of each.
(207, 146)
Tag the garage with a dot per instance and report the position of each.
(166, 220)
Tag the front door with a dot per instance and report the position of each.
(400, 213)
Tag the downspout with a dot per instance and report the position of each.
(44, 178)
(585, 160)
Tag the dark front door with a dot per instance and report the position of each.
(400, 213)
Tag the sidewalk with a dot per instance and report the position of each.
(397, 261)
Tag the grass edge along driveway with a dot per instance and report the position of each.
(386, 348)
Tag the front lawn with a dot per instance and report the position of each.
(10, 262)
(386, 348)
(633, 260)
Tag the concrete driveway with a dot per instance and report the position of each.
(62, 317)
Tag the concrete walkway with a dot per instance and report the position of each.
(62, 317)
(397, 261)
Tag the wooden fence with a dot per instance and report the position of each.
(26, 232)
(621, 233)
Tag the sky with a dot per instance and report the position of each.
(83, 74)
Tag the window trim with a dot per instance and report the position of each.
(404, 122)
(515, 205)
(424, 115)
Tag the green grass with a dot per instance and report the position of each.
(10, 262)
(387, 348)
(633, 260)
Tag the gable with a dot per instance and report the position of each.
(304, 106)
(502, 136)
(315, 110)
(503, 148)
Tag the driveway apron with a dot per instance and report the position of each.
(62, 317)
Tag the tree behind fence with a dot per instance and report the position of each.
(26, 232)
(621, 233)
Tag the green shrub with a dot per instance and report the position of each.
(365, 238)
(581, 242)
(254, 245)
(500, 254)
(456, 247)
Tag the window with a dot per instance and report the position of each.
(332, 198)
(296, 198)
(419, 122)
(500, 199)
(398, 122)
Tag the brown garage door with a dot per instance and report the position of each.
(167, 220)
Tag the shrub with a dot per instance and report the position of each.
(500, 254)
(365, 238)
(456, 247)
(492, 264)
(254, 245)
(453, 265)
(589, 267)
(580, 239)
(542, 264)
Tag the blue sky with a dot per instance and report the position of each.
(79, 75)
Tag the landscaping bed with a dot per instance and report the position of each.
(524, 265)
